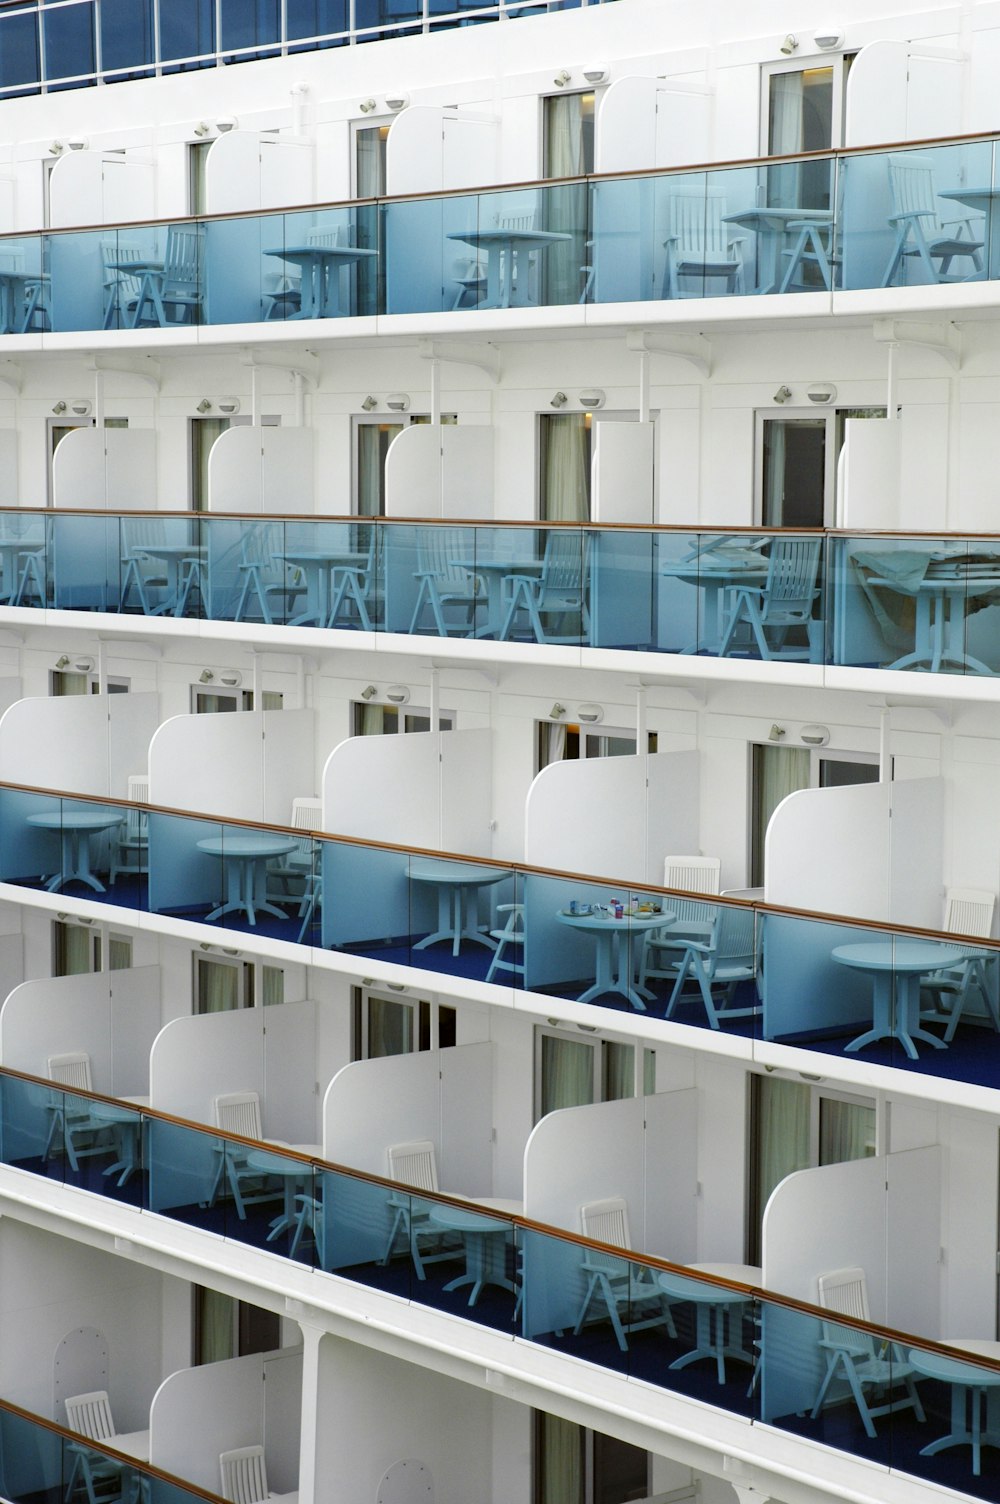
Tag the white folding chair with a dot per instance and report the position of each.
(618, 1285)
(130, 846)
(244, 1477)
(510, 936)
(414, 1164)
(855, 1357)
(661, 947)
(967, 911)
(239, 1112)
(920, 230)
(700, 243)
(72, 1119)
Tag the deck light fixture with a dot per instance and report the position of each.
(556, 711)
(789, 45)
(59, 408)
(597, 73)
(204, 406)
(366, 106)
(590, 713)
(591, 398)
(776, 732)
(828, 37)
(369, 692)
(782, 394)
(397, 694)
(369, 403)
(562, 78)
(397, 402)
(558, 399)
(396, 102)
(206, 676)
(62, 661)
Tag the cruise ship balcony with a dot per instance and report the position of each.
(798, 604)
(703, 1343)
(914, 224)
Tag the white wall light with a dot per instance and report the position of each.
(366, 106)
(590, 713)
(231, 677)
(83, 665)
(206, 676)
(398, 402)
(228, 405)
(80, 407)
(226, 123)
(204, 406)
(591, 398)
(396, 102)
(369, 403)
(59, 408)
(369, 692)
(56, 148)
(828, 37)
(814, 736)
(397, 694)
(782, 394)
(822, 391)
(597, 73)
(562, 78)
(789, 45)
(558, 399)
(77, 143)
(202, 128)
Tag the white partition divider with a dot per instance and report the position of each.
(882, 1215)
(868, 473)
(622, 473)
(240, 1402)
(652, 122)
(245, 170)
(429, 789)
(904, 91)
(11, 967)
(255, 469)
(113, 1015)
(837, 851)
(290, 1085)
(613, 815)
(194, 1060)
(413, 471)
(642, 1149)
(248, 767)
(113, 468)
(432, 148)
(80, 743)
(95, 188)
(445, 1096)
(9, 487)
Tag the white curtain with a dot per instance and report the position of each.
(778, 772)
(565, 207)
(560, 1463)
(565, 468)
(217, 986)
(552, 743)
(775, 459)
(782, 1132)
(846, 1131)
(619, 1070)
(215, 1326)
(567, 1074)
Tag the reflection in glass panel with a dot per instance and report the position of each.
(800, 119)
(68, 37)
(19, 56)
(314, 18)
(187, 29)
(126, 36)
(250, 23)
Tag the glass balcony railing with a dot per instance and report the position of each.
(891, 1399)
(915, 1000)
(39, 1460)
(917, 216)
(913, 603)
(83, 42)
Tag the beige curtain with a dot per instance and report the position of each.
(782, 1132)
(779, 771)
(565, 208)
(846, 1131)
(618, 1065)
(567, 1074)
(214, 1337)
(560, 1461)
(119, 952)
(390, 1028)
(272, 986)
(565, 467)
(217, 987)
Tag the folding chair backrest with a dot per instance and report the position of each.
(239, 1112)
(969, 911)
(735, 937)
(90, 1415)
(327, 237)
(564, 560)
(71, 1070)
(791, 571)
(911, 185)
(307, 814)
(137, 820)
(605, 1222)
(142, 532)
(244, 1475)
(182, 257)
(437, 550)
(516, 221)
(846, 1292)
(414, 1164)
(693, 874)
(114, 250)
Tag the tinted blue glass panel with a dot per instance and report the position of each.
(315, 18)
(389, 13)
(69, 42)
(250, 23)
(19, 62)
(126, 34)
(187, 28)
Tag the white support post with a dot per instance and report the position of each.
(644, 386)
(890, 386)
(435, 708)
(435, 392)
(99, 401)
(641, 735)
